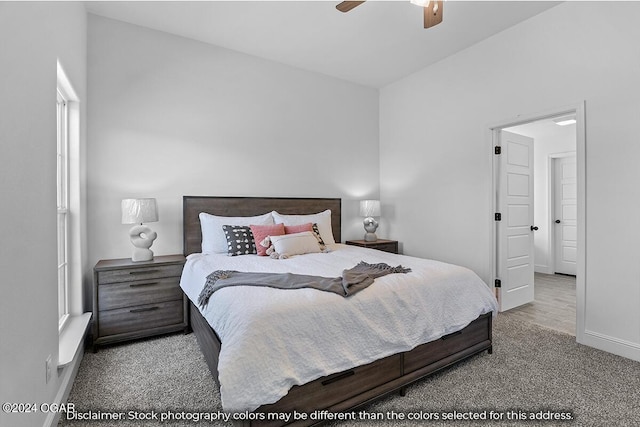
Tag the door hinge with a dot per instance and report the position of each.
(498, 283)
(497, 149)
(498, 216)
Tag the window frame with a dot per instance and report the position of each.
(62, 221)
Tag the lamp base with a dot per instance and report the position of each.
(370, 237)
(141, 254)
(142, 238)
(370, 226)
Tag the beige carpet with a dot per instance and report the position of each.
(532, 371)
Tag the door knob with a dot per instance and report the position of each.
(534, 228)
(557, 221)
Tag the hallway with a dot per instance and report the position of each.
(554, 306)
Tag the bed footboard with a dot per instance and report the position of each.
(355, 387)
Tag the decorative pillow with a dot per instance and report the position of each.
(292, 229)
(323, 219)
(240, 240)
(294, 244)
(316, 233)
(213, 238)
(262, 231)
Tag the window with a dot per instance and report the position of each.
(63, 209)
(73, 323)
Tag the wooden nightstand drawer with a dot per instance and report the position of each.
(380, 244)
(133, 319)
(387, 247)
(140, 292)
(141, 273)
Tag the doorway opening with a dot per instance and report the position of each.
(539, 225)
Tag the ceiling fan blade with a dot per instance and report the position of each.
(346, 6)
(432, 14)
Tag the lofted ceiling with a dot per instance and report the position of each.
(375, 44)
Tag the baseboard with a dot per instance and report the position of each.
(68, 374)
(623, 348)
(545, 269)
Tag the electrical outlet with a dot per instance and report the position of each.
(47, 367)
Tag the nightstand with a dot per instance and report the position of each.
(380, 244)
(138, 299)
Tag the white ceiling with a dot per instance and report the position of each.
(375, 44)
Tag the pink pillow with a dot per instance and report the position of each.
(292, 229)
(262, 231)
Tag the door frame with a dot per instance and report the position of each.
(579, 110)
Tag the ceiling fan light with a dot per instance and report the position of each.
(421, 3)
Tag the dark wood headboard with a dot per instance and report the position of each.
(250, 206)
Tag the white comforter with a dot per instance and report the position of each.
(273, 339)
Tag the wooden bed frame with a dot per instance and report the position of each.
(345, 390)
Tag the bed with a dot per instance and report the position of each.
(382, 343)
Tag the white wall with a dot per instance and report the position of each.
(435, 152)
(169, 116)
(549, 139)
(34, 36)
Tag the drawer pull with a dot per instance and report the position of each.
(143, 272)
(446, 337)
(338, 377)
(141, 310)
(136, 285)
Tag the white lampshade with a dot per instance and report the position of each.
(139, 211)
(369, 208)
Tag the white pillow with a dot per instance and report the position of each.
(295, 244)
(213, 238)
(323, 219)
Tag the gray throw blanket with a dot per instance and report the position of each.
(353, 280)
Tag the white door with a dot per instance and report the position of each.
(515, 229)
(565, 226)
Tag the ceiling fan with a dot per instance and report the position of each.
(432, 10)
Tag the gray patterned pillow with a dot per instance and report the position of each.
(239, 240)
